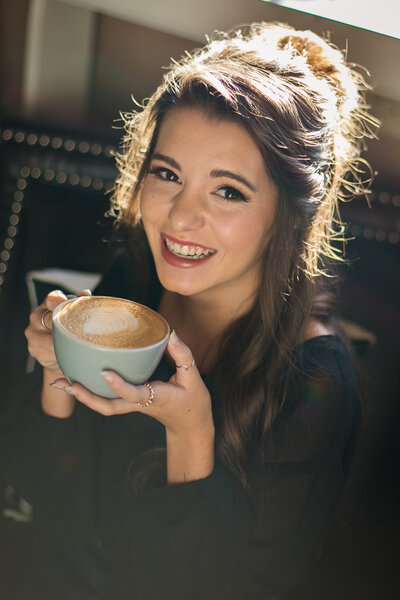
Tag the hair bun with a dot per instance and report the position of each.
(317, 56)
(324, 60)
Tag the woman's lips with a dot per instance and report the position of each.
(184, 254)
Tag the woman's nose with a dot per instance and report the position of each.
(187, 211)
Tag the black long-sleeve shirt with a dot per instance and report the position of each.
(210, 538)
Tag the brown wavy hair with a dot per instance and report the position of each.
(305, 108)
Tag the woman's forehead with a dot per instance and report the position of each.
(186, 125)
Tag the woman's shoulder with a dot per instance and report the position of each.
(325, 384)
(321, 346)
(325, 362)
(328, 351)
(315, 328)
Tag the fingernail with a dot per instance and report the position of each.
(56, 385)
(107, 375)
(175, 341)
(64, 388)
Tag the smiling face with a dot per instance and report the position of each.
(207, 206)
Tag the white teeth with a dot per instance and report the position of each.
(193, 252)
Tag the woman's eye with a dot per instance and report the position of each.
(231, 193)
(164, 173)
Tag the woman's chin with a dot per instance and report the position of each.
(178, 288)
(184, 286)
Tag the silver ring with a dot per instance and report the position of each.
(185, 367)
(44, 314)
(149, 399)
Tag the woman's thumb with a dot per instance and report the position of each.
(181, 354)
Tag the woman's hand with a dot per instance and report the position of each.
(40, 341)
(182, 405)
(40, 347)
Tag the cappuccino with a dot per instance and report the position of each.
(112, 322)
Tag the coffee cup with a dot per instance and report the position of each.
(95, 333)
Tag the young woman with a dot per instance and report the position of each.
(218, 480)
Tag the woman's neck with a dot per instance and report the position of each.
(200, 322)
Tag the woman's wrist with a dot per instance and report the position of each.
(55, 402)
(191, 457)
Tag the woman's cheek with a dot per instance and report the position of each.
(147, 203)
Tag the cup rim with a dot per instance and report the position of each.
(57, 324)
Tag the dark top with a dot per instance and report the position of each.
(205, 539)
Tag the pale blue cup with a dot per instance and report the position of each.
(83, 361)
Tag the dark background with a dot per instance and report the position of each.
(56, 166)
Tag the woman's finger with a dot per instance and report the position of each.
(38, 332)
(134, 397)
(48, 305)
(139, 395)
(42, 316)
(53, 299)
(102, 405)
(183, 357)
(60, 383)
(85, 292)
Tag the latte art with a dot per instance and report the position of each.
(113, 322)
(110, 323)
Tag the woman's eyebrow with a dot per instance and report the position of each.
(170, 161)
(214, 173)
(232, 175)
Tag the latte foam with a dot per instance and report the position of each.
(112, 322)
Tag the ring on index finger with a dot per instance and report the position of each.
(44, 315)
(186, 367)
